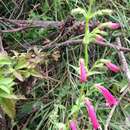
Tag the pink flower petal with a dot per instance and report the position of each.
(100, 40)
(83, 72)
(92, 114)
(112, 67)
(114, 25)
(110, 99)
(73, 125)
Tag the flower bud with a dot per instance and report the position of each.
(83, 72)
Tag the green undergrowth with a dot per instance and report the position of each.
(51, 87)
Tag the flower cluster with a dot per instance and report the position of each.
(99, 39)
(109, 98)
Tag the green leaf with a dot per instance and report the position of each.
(27, 107)
(35, 73)
(22, 63)
(5, 88)
(25, 73)
(8, 106)
(98, 65)
(6, 81)
(80, 100)
(74, 109)
(6, 84)
(4, 59)
(104, 60)
(75, 68)
(18, 76)
(93, 73)
(3, 94)
(14, 97)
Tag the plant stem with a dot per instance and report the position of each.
(86, 42)
(86, 56)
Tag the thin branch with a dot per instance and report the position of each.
(118, 48)
(26, 24)
(127, 73)
(63, 44)
(1, 44)
(124, 62)
(79, 42)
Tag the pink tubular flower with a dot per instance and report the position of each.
(100, 40)
(110, 99)
(73, 125)
(114, 25)
(112, 67)
(92, 114)
(83, 72)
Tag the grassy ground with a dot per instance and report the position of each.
(49, 101)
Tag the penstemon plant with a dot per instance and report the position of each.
(96, 35)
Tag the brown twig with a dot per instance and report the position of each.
(127, 73)
(79, 42)
(125, 67)
(1, 44)
(25, 24)
(63, 44)
(117, 47)
(36, 23)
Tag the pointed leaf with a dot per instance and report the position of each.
(35, 73)
(6, 81)
(5, 88)
(18, 76)
(8, 106)
(94, 72)
(22, 63)
(4, 59)
(3, 94)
